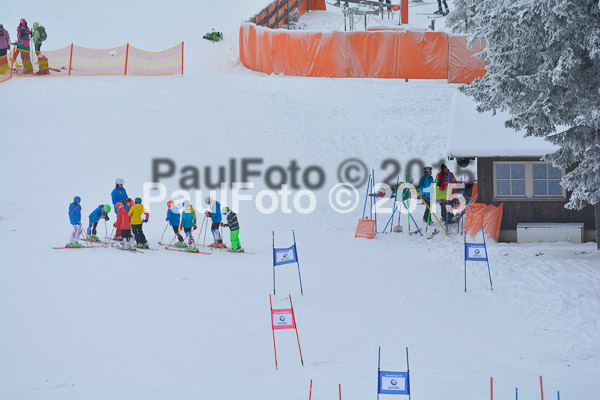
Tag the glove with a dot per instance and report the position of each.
(180, 227)
(195, 227)
(108, 219)
(222, 224)
(115, 224)
(207, 214)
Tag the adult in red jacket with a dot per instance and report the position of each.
(124, 224)
(443, 178)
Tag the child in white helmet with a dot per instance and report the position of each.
(214, 212)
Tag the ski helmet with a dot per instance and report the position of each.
(119, 206)
(23, 21)
(225, 210)
(106, 208)
(76, 199)
(119, 181)
(208, 200)
(170, 203)
(1, 27)
(138, 200)
(185, 203)
(131, 202)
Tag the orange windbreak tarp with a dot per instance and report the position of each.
(492, 221)
(167, 62)
(463, 67)
(423, 55)
(365, 228)
(474, 218)
(372, 54)
(327, 54)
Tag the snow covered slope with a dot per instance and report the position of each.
(109, 324)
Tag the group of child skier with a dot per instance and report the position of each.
(131, 215)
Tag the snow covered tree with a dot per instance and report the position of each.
(544, 68)
(461, 17)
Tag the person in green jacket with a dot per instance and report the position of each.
(39, 35)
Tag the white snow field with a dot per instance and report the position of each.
(109, 324)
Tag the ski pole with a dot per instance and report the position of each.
(163, 235)
(110, 237)
(206, 230)
(431, 213)
(86, 238)
(201, 228)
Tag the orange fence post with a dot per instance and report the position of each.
(71, 59)
(181, 58)
(126, 58)
(404, 12)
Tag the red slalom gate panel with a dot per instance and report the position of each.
(365, 228)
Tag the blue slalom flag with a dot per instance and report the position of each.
(475, 252)
(393, 382)
(285, 256)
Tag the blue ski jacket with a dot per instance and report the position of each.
(118, 195)
(173, 216)
(188, 219)
(215, 212)
(98, 213)
(425, 186)
(75, 213)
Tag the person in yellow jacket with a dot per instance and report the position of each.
(138, 216)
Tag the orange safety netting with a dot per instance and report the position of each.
(42, 63)
(5, 70)
(123, 60)
(87, 62)
(489, 215)
(167, 62)
(274, 15)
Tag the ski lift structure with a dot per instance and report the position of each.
(359, 8)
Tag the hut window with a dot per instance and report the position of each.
(527, 179)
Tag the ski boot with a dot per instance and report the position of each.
(181, 244)
(439, 12)
(191, 249)
(74, 245)
(215, 245)
(94, 238)
(118, 238)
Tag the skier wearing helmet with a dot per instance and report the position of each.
(24, 36)
(75, 219)
(234, 229)
(188, 222)
(174, 218)
(100, 212)
(214, 212)
(118, 195)
(136, 212)
(4, 48)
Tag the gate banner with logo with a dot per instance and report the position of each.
(393, 382)
(476, 252)
(286, 255)
(283, 318)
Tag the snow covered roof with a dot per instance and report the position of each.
(474, 134)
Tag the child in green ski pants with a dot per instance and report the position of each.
(234, 229)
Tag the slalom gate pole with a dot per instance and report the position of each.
(408, 373)
(516, 393)
(487, 257)
(274, 346)
(366, 196)
(163, 234)
(391, 218)
(378, 369)
(340, 383)
(273, 263)
(296, 328)
(465, 256)
(445, 231)
(371, 195)
(202, 226)
(395, 201)
(310, 390)
(297, 262)
(492, 388)
(408, 201)
(541, 387)
(374, 199)
(411, 217)
(558, 394)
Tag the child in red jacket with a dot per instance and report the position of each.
(123, 223)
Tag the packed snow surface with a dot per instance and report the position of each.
(104, 323)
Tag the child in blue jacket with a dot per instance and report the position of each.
(188, 222)
(174, 219)
(75, 219)
(101, 212)
(215, 215)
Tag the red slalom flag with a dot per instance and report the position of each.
(284, 318)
